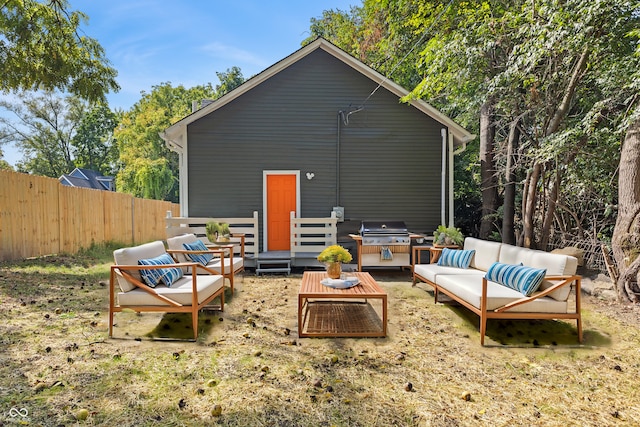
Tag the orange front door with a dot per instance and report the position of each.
(281, 200)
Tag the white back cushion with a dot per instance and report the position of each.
(130, 256)
(175, 243)
(555, 264)
(510, 254)
(486, 252)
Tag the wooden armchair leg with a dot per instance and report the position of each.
(579, 321)
(110, 323)
(194, 319)
(483, 329)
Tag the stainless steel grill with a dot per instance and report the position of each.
(384, 233)
(384, 244)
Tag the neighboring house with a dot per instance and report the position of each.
(87, 178)
(315, 131)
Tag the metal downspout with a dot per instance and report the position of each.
(443, 177)
(338, 161)
(451, 168)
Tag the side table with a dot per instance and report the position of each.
(436, 251)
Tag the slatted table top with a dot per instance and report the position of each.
(312, 288)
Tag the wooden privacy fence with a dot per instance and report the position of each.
(40, 216)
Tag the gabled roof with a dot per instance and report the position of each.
(87, 178)
(173, 135)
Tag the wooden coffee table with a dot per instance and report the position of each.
(329, 312)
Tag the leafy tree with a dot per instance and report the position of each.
(339, 27)
(93, 142)
(626, 235)
(4, 165)
(147, 167)
(546, 75)
(42, 48)
(544, 68)
(229, 80)
(44, 130)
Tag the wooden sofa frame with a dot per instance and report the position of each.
(502, 313)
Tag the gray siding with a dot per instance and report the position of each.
(390, 152)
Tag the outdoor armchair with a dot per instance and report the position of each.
(159, 285)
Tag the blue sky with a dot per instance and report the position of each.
(187, 41)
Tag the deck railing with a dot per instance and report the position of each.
(247, 226)
(309, 236)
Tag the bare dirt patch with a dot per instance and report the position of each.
(429, 371)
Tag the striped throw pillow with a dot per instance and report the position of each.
(525, 280)
(165, 275)
(455, 258)
(198, 245)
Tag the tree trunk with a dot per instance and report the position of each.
(626, 235)
(529, 211)
(489, 184)
(553, 126)
(552, 200)
(555, 192)
(509, 206)
(570, 90)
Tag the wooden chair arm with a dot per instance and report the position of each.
(242, 237)
(220, 252)
(153, 267)
(228, 248)
(118, 271)
(565, 280)
(215, 252)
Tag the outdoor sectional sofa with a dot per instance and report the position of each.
(500, 295)
(149, 280)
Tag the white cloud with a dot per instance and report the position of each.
(233, 55)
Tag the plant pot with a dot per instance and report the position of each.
(334, 270)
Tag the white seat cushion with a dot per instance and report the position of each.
(432, 271)
(180, 291)
(469, 289)
(216, 264)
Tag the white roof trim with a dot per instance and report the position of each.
(173, 134)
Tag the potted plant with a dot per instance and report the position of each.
(334, 256)
(218, 231)
(447, 236)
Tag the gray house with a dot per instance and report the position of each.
(87, 178)
(316, 132)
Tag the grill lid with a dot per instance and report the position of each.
(383, 227)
